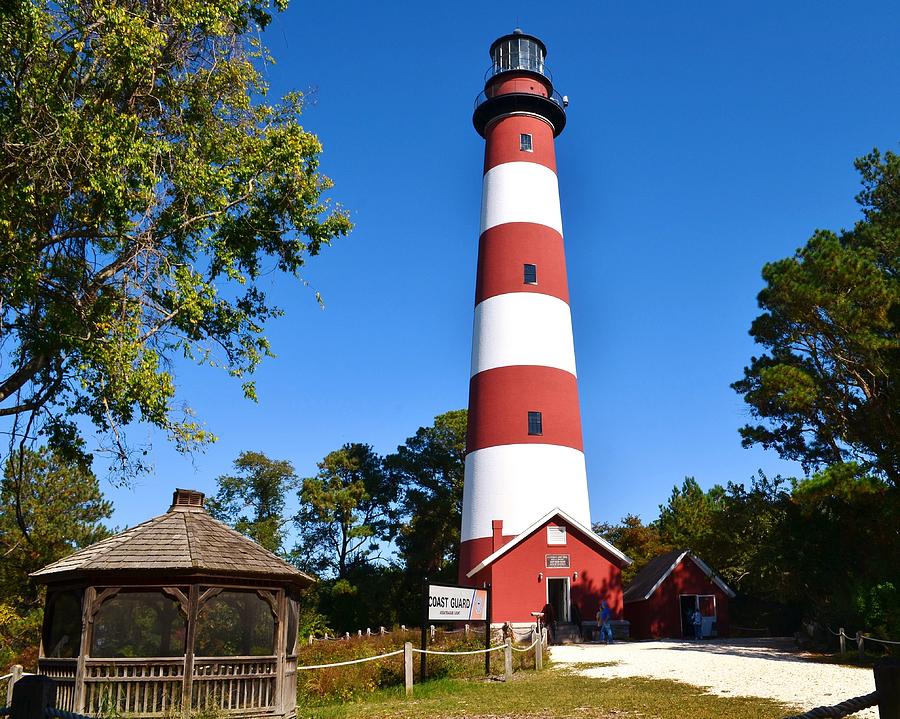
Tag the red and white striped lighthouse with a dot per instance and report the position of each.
(524, 446)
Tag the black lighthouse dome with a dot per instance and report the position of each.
(518, 82)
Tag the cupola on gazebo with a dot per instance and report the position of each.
(180, 612)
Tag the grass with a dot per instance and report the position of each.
(554, 692)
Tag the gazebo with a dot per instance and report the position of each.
(180, 612)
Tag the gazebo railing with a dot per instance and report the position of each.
(154, 687)
(235, 683)
(63, 672)
(144, 687)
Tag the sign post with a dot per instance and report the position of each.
(487, 631)
(425, 607)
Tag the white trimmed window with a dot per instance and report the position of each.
(556, 535)
(525, 143)
(530, 274)
(535, 423)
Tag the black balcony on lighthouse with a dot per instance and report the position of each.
(518, 82)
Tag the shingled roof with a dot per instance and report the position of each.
(647, 580)
(184, 540)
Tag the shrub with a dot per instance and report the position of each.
(339, 684)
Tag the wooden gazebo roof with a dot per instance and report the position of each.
(184, 540)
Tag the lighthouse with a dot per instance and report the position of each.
(525, 471)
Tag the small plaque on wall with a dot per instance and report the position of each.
(557, 561)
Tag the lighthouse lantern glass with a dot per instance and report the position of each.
(519, 53)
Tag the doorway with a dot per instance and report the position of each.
(558, 597)
(688, 603)
(706, 603)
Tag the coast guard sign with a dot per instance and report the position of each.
(448, 604)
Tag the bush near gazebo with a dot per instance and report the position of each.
(336, 684)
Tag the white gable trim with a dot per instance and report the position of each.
(703, 566)
(557, 512)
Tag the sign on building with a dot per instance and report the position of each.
(451, 604)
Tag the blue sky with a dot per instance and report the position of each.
(703, 140)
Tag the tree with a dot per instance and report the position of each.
(640, 542)
(687, 520)
(56, 509)
(828, 386)
(253, 500)
(145, 185)
(429, 468)
(49, 507)
(346, 510)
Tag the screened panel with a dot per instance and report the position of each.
(62, 624)
(235, 624)
(292, 625)
(146, 623)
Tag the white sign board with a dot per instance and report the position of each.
(456, 604)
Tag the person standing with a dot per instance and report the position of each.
(550, 622)
(604, 617)
(697, 619)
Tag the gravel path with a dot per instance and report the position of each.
(737, 667)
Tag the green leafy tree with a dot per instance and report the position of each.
(56, 509)
(687, 520)
(429, 468)
(346, 512)
(49, 507)
(253, 500)
(640, 542)
(828, 385)
(145, 185)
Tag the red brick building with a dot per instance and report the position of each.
(661, 598)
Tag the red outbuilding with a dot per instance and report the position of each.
(556, 561)
(662, 597)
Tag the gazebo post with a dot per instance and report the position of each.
(187, 686)
(87, 620)
(280, 637)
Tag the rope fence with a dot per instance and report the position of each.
(351, 661)
(526, 649)
(762, 630)
(473, 651)
(408, 651)
(838, 711)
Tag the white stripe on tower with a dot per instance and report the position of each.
(518, 475)
(523, 357)
(520, 192)
(522, 328)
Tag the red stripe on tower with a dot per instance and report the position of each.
(524, 447)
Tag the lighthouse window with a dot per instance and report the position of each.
(525, 143)
(535, 423)
(530, 274)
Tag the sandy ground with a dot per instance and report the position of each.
(738, 667)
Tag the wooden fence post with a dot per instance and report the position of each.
(861, 645)
(32, 696)
(15, 674)
(507, 659)
(408, 667)
(842, 639)
(539, 653)
(887, 684)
